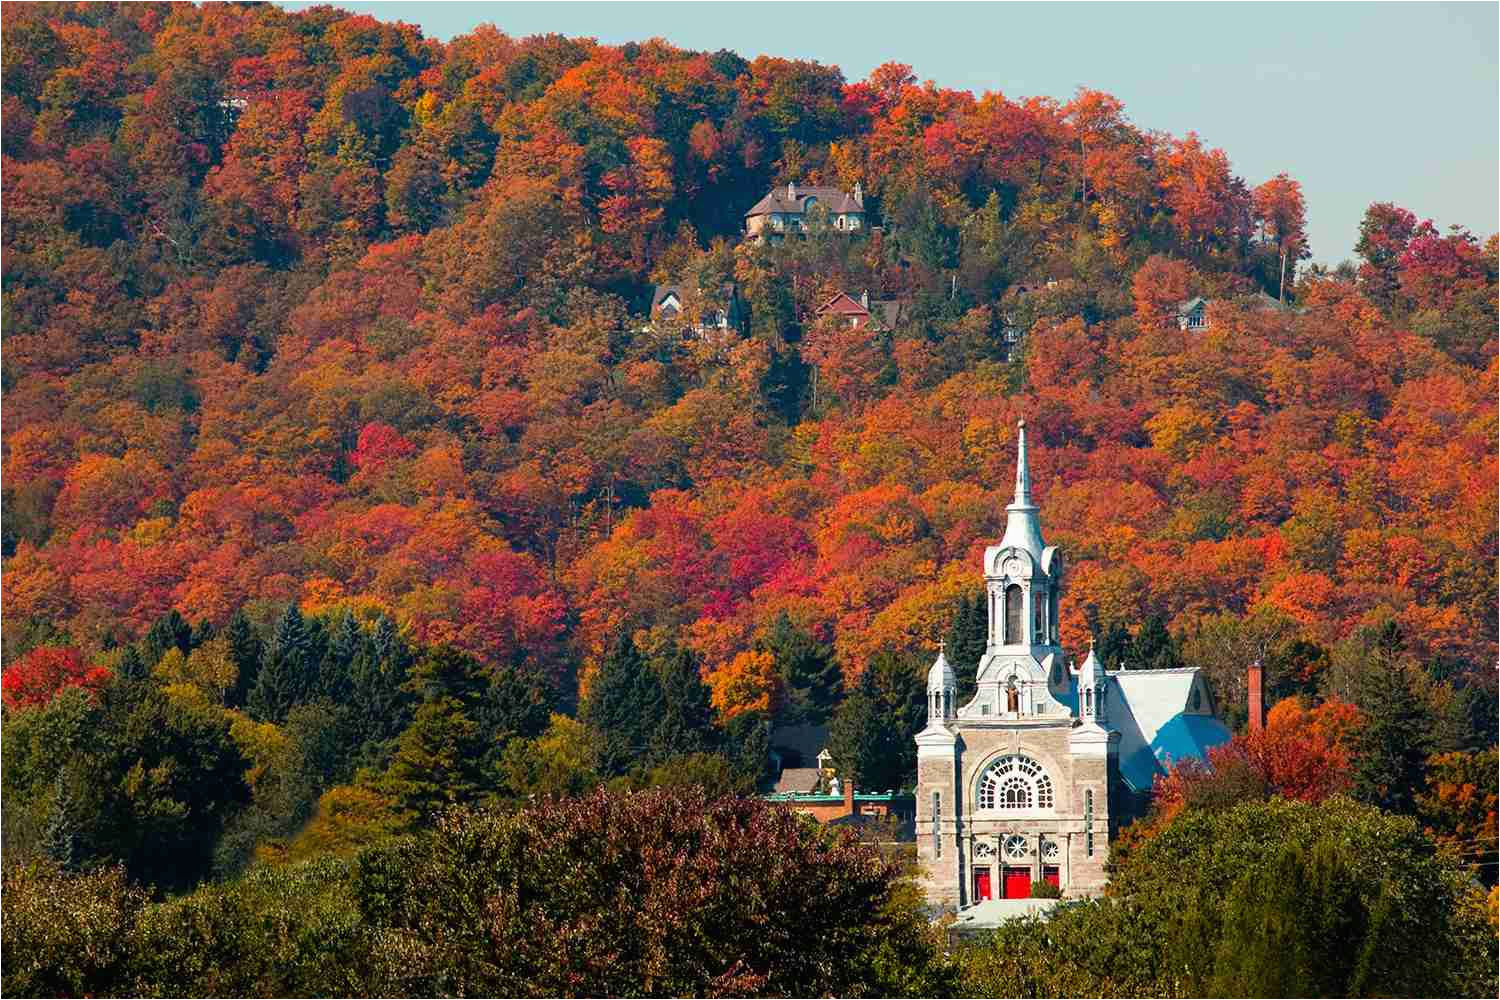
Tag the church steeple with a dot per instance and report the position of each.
(1023, 528)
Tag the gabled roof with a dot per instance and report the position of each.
(843, 304)
(795, 201)
(1157, 722)
(797, 779)
(1190, 305)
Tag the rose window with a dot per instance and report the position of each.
(1015, 847)
(1050, 851)
(1015, 782)
(984, 849)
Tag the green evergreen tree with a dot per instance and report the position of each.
(1112, 646)
(686, 725)
(131, 667)
(61, 840)
(623, 707)
(1391, 748)
(967, 639)
(335, 677)
(1153, 647)
(276, 690)
(169, 631)
(810, 675)
(439, 758)
(245, 649)
(870, 736)
(747, 743)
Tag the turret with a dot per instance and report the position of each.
(942, 690)
(1093, 690)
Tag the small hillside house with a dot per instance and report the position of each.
(789, 210)
(719, 312)
(1193, 314)
(878, 315)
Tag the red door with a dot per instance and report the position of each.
(1050, 874)
(982, 884)
(1017, 883)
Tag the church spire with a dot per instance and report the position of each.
(1023, 474)
(1023, 529)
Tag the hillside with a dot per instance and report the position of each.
(308, 308)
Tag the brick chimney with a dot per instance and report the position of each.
(849, 797)
(1255, 683)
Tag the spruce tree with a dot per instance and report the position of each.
(169, 631)
(623, 707)
(131, 668)
(291, 647)
(1112, 647)
(1153, 647)
(335, 676)
(61, 840)
(245, 650)
(1391, 748)
(810, 674)
(967, 639)
(276, 691)
(686, 724)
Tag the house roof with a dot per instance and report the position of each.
(795, 201)
(661, 294)
(1190, 305)
(844, 304)
(889, 312)
(797, 779)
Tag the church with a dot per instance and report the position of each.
(1031, 780)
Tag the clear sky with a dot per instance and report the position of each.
(1360, 102)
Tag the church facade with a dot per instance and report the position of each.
(1033, 777)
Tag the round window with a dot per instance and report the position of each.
(1015, 847)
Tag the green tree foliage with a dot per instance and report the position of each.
(623, 707)
(1153, 647)
(686, 723)
(1273, 898)
(967, 639)
(809, 673)
(870, 737)
(1391, 748)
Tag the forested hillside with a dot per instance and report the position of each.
(326, 350)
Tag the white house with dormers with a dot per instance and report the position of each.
(1030, 780)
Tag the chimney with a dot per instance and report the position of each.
(859, 194)
(791, 191)
(1255, 682)
(864, 298)
(849, 796)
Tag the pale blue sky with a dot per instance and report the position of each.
(1361, 102)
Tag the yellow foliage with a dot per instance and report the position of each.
(748, 683)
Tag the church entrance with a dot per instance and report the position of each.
(1050, 874)
(1016, 883)
(982, 884)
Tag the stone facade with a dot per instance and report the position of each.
(1025, 782)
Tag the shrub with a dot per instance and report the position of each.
(1045, 890)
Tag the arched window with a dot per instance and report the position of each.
(1012, 698)
(1014, 634)
(1038, 617)
(1015, 782)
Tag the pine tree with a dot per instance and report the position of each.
(1112, 647)
(439, 758)
(747, 743)
(1391, 748)
(245, 649)
(335, 676)
(808, 670)
(623, 707)
(291, 653)
(1153, 647)
(61, 840)
(686, 724)
(276, 691)
(169, 631)
(967, 640)
(131, 668)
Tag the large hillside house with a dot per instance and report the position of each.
(878, 315)
(790, 210)
(1032, 778)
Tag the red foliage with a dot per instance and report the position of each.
(39, 675)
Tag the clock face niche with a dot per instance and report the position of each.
(1014, 567)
